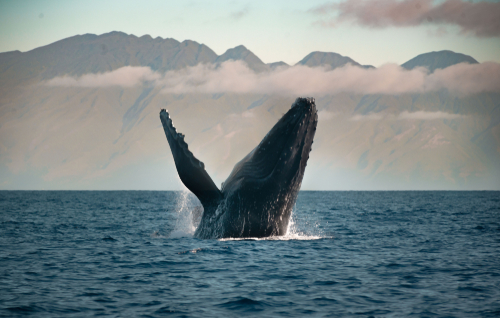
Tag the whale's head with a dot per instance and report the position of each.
(273, 171)
(281, 157)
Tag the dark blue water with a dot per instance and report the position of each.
(359, 254)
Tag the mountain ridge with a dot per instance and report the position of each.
(329, 59)
(241, 53)
(91, 53)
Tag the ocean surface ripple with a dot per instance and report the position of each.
(359, 254)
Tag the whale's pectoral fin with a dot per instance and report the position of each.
(191, 170)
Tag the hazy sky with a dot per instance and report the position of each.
(370, 32)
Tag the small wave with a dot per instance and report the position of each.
(325, 282)
(25, 309)
(325, 299)
(470, 288)
(244, 304)
(152, 303)
(156, 234)
(167, 310)
(196, 250)
(90, 294)
(180, 234)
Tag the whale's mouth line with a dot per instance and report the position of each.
(293, 136)
(280, 159)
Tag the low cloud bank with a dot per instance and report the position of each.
(423, 115)
(418, 115)
(126, 76)
(478, 18)
(236, 77)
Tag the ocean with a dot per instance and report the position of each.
(346, 254)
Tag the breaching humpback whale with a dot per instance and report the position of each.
(257, 198)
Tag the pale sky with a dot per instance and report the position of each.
(274, 30)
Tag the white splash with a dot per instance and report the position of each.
(187, 220)
(287, 237)
(292, 233)
(184, 226)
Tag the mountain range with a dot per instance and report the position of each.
(90, 53)
(111, 137)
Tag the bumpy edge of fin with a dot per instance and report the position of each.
(191, 170)
(179, 138)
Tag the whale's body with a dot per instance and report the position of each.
(257, 198)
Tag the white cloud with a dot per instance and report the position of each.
(236, 77)
(418, 115)
(423, 115)
(247, 114)
(126, 76)
(325, 115)
(371, 116)
(237, 15)
(466, 78)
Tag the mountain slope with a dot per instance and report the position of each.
(275, 65)
(90, 53)
(438, 60)
(333, 60)
(241, 53)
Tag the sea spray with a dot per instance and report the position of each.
(188, 211)
(292, 228)
(299, 228)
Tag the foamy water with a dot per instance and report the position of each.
(185, 225)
